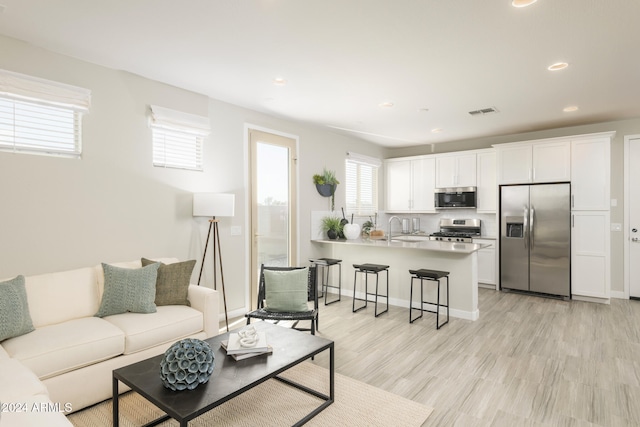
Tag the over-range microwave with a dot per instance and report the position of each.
(458, 197)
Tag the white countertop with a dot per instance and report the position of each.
(402, 242)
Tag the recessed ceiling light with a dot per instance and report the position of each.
(437, 130)
(557, 66)
(570, 109)
(386, 104)
(522, 3)
(279, 81)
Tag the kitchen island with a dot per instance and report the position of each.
(402, 253)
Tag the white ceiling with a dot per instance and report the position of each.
(342, 58)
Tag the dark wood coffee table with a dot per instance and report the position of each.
(230, 378)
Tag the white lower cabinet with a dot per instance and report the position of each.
(486, 262)
(590, 260)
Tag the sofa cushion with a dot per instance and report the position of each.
(3, 353)
(49, 296)
(172, 284)
(128, 289)
(168, 324)
(55, 349)
(18, 382)
(15, 319)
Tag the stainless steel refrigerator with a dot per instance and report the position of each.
(535, 238)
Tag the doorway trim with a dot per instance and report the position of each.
(627, 214)
(247, 199)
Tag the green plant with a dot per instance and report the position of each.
(328, 177)
(331, 223)
(367, 226)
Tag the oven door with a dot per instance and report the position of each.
(451, 198)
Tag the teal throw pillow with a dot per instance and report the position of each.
(128, 290)
(286, 291)
(172, 285)
(15, 319)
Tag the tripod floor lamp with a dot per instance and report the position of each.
(214, 205)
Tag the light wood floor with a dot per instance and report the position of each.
(528, 361)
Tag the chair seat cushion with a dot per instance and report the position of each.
(56, 349)
(264, 314)
(371, 267)
(168, 324)
(431, 274)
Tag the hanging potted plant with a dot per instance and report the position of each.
(326, 185)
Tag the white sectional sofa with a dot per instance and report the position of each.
(66, 362)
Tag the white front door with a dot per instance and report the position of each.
(633, 254)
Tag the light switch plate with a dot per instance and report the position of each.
(614, 202)
(236, 230)
(616, 226)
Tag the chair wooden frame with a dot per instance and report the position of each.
(262, 314)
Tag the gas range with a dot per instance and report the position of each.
(457, 230)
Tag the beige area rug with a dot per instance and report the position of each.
(273, 403)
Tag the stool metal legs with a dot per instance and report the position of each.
(422, 301)
(325, 282)
(367, 293)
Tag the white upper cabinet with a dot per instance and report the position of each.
(423, 180)
(487, 188)
(525, 163)
(455, 170)
(398, 188)
(410, 184)
(590, 172)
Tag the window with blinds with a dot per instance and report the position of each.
(178, 138)
(361, 184)
(40, 116)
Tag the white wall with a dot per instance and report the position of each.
(114, 205)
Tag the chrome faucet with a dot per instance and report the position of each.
(391, 219)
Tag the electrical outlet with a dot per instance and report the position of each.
(616, 226)
(236, 230)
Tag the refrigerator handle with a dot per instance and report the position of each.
(532, 218)
(526, 226)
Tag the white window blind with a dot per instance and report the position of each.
(178, 138)
(40, 116)
(361, 184)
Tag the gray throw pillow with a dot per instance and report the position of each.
(15, 319)
(128, 289)
(286, 291)
(172, 285)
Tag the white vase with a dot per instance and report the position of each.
(351, 231)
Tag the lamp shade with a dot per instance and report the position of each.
(213, 204)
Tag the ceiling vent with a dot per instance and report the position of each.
(483, 111)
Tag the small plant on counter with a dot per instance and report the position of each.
(367, 226)
(332, 226)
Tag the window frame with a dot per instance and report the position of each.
(42, 117)
(186, 134)
(359, 161)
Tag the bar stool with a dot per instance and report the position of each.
(367, 269)
(326, 264)
(433, 276)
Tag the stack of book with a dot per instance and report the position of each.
(238, 352)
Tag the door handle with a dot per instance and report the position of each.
(526, 225)
(532, 218)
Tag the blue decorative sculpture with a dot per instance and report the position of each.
(186, 364)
